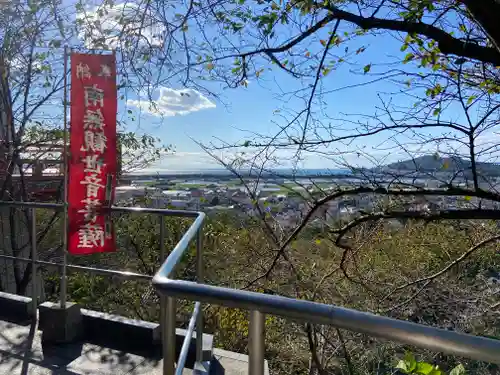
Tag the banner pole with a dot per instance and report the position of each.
(63, 284)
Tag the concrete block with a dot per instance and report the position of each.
(60, 325)
(207, 344)
(14, 307)
(226, 362)
(136, 336)
(119, 332)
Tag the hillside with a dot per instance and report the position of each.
(434, 163)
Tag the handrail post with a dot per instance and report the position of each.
(33, 262)
(162, 239)
(256, 344)
(199, 280)
(64, 282)
(168, 336)
(167, 314)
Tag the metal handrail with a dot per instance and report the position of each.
(474, 347)
(167, 309)
(59, 207)
(92, 270)
(181, 362)
(259, 304)
(142, 210)
(168, 304)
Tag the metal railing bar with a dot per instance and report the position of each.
(92, 270)
(169, 337)
(175, 256)
(163, 299)
(440, 340)
(181, 362)
(142, 210)
(48, 206)
(256, 343)
(156, 211)
(34, 257)
(199, 280)
(168, 303)
(162, 239)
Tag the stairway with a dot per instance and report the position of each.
(109, 344)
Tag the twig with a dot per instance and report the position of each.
(346, 353)
(430, 278)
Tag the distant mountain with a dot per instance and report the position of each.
(435, 163)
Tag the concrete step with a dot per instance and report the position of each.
(135, 336)
(22, 352)
(110, 344)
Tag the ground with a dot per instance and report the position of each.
(22, 353)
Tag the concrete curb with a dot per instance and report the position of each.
(17, 308)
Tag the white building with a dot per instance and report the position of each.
(132, 191)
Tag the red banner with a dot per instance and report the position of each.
(92, 160)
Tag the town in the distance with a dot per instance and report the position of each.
(287, 196)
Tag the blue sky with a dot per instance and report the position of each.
(253, 108)
(197, 116)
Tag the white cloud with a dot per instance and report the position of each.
(18, 65)
(106, 26)
(173, 102)
(181, 161)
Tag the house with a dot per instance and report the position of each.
(241, 197)
(178, 204)
(177, 194)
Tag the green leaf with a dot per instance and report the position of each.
(408, 364)
(467, 198)
(471, 99)
(408, 57)
(458, 370)
(436, 111)
(424, 368)
(410, 359)
(403, 367)
(367, 68)
(246, 143)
